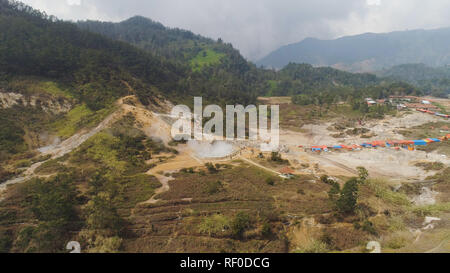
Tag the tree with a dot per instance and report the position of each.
(346, 203)
(363, 174)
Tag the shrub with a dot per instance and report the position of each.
(50, 167)
(266, 230)
(315, 246)
(187, 170)
(214, 187)
(240, 223)
(333, 193)
(396, 242)
(363, 174)
(383, 192)
(211, 168)
(431, 166)
(24, 163)
(369, 227)
(214, 225)
(276, 157)
(102, 215)
(5, 241)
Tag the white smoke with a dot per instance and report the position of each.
(211, 150)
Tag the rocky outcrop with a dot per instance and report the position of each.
(47, 103)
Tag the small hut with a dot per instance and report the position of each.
(287, 173)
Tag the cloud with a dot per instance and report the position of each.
(74, 2)
(257, 27)
(373, 2)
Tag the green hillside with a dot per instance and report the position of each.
(432, 80)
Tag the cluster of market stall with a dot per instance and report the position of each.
(394, 144)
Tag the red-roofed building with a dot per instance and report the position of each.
(287, 172)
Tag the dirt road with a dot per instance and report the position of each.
(164, 180)
(144, 116)
(335, 163)
(258, 165)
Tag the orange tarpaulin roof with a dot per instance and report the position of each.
(287, 170)
(321, 147)
(378, 143)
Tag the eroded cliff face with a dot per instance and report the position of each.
(47, 103)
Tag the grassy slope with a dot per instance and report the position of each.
(77, 118)
(206, 57)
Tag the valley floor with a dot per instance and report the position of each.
(195, 208)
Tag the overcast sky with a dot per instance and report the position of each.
(256, 27)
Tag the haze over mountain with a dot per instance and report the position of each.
(367, 52)
(257, 27)
(434, 80)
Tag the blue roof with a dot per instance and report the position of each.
(420, 142)
(435, 139)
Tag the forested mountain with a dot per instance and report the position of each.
(325, 85)
(367, 52)
(45, 61)
(96, 68)
(432, 80)
(218, 61)
(150, 35)
(173, 63)
(304, 78)
(214, 64)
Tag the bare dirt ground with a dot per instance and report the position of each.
(383, 162)
(444, 102)
(319, 134)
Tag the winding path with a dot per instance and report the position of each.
(65, 147)
(164, 180)
(258, 165)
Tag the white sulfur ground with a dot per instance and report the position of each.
(384, 162)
